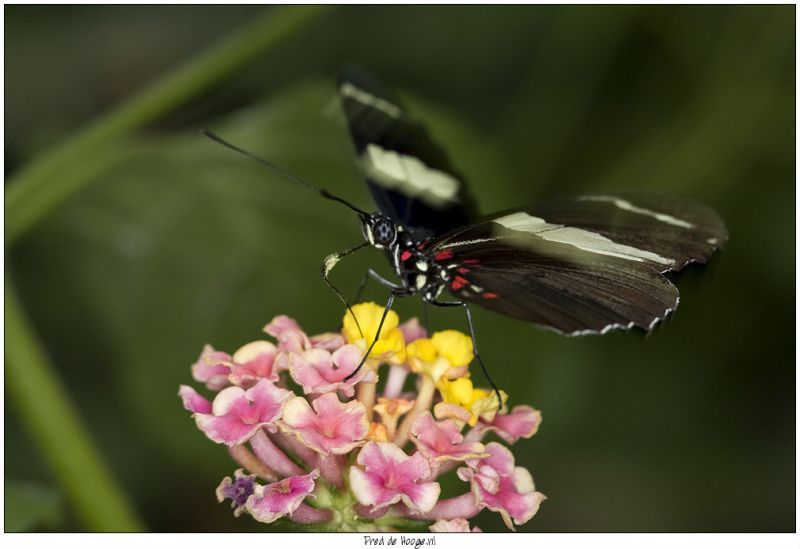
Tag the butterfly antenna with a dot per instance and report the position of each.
(274, 167)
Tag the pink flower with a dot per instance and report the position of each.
(332, 427)
(412, 330)
(319, 371)
(500, 486)
(236, 413)
(522, 422)
(329, 341)
(212, 368)
(288, 333)
(342, 443)
(282, 498)
(442, 440)
(192, 401)
(253, 362)
(454, 525)
(389, 476)
(292, 339)
(281, 324)
(454, 412)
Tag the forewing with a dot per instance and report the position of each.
(675, 228)
(601, 272)
(409, 175)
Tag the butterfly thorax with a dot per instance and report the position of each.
(418, 271)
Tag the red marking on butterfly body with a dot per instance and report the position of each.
(405, 255)
(459, 282)
(444, 255)
(471, 261)
(489, 295)
(462, 270)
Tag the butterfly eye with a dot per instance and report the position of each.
(384, 232)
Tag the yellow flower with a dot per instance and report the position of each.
(390, 347)
(445, 354)
(423, 358)
(422, 349)
(454, 346)
(480, 403)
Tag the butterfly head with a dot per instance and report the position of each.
(379, 230)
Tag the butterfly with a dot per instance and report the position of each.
(580, 265)
(586, 264)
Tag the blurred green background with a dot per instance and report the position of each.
(174, 242)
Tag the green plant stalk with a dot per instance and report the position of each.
(52, 420)
(50, 179)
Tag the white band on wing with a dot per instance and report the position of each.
(409, 175)
(626, 205)
(577, 238)
(370, 100)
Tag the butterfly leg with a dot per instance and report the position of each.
(397, 291)
(328, 265)
(371, 274)
(474, 342)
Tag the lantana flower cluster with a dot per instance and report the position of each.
(323, 442)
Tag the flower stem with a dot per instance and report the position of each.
(60, 172)
(366, 396)
(52, 420)
(272, 456)
(475, 434)
(332, 469)
(423, 402)
(395, 381)
(462, 506)
(305, 514)
(293, 448)
(251, 463)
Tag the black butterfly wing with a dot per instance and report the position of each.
(409, 175)
(601, 271)
(678, 229)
